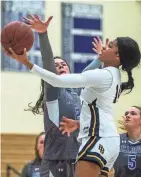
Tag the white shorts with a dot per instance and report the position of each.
(101, 151)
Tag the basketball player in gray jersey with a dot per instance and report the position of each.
(128, 163)
(60, 150)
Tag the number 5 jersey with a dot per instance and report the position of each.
(128, 163)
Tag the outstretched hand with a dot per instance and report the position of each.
(37, 24)
(98, 45)
(68, 126)
(23, 59)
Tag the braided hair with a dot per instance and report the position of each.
(130, 55)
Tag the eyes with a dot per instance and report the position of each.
(41, 142)
(113, 45)
(132, 113)
(58, 64)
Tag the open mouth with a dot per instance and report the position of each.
(62, 72)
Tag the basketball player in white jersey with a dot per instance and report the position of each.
(98, 134)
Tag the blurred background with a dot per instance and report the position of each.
(71, 32)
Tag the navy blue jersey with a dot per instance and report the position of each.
(128, 163)
(31, 169)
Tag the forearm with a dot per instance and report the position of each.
(46, 52)
(77, 123)
(94, 65)
(51, 93)
(92, 78)
(66, 80)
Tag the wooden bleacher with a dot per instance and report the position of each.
(16, 150)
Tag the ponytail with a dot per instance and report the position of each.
(128, 85)
(129, 54)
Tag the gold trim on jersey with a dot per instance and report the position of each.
(94, 156)
(93, 129)
(104, 171)
(86, 147)
(94, 123)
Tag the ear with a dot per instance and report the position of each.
(140, 120)
(117, 57)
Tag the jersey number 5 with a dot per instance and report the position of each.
(132, 162)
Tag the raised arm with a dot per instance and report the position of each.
(97, 48)
(46, 52)
(51, 93)
(94, 65)
(91, 78)
(40, 26)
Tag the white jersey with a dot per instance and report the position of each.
(102, 89)
(97, 115)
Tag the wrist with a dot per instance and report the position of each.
(78, 123)
(28, 64)
(42, 32)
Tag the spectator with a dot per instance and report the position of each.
(32, 169)
(128, 163)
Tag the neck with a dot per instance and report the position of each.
(111, 64)
(135, 134)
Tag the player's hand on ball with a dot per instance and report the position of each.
(68, 126)
(21, 58)
(37, 24)
(6, 52)
(98, 45)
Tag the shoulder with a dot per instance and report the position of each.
(123, 136)
(114, 71)
(98, 73)
(28, 164)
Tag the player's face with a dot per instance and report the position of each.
(110, 55)
(40, 145)
(61, 66)
(132, 118)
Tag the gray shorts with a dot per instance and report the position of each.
(57, 168)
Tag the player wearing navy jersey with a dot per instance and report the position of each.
(102, 89)
(128, 163)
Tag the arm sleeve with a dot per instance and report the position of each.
(24, 172)
(51, 93)
(92, 78)
(94, 65)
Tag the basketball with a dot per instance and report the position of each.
(18, 36)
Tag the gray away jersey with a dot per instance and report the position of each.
(128, 163)
(58, 146)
